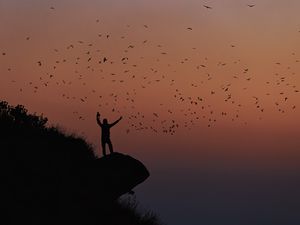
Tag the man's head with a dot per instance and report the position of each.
(104, 121)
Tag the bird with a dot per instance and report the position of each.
(207, 7)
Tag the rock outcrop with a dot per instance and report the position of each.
(116, 174)
(93, 190)
(107, 178)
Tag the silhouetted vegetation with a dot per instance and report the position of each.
(41, 169)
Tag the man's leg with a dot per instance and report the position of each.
(103, 148)
(110, 146)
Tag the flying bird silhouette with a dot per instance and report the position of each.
(207, 7)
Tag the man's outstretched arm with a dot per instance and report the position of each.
(98, 119)
(114, 123)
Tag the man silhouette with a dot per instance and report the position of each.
(105, 133)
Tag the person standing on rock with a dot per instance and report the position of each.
(105, 133)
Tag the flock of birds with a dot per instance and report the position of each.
(124, 80)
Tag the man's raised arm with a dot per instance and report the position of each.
(114, 123)
(98, 119)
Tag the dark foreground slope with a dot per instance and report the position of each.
(48, 177)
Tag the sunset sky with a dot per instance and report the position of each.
(209, 95)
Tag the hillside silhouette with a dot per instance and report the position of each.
(50, 177)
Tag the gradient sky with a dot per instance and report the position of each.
(227, 76)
